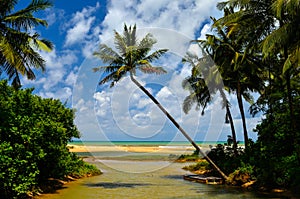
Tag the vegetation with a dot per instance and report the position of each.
(256, 48)
(18, 45)
(189, 157)
(202, 167)
(34, 133)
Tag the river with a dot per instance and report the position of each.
(143, 180)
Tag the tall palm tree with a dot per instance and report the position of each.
(276, 34)
(135, 55)
(203, 83)
(18, 46)
(237, 65)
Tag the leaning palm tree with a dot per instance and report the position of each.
(136, 55)
(18, 46)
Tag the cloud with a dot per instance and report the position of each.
(185, 17)
(63, 94)
(81, 25)
(52, 15)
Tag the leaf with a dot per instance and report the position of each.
(287, 65)
(43, 46)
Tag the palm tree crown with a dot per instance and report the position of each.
(18, 47)
(132, 55)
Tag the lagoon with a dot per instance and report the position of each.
(133, 175)
(164, 183)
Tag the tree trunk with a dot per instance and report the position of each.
(241, 107)
(228, 113)
(216, 168)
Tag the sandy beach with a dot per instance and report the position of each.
(133, 149)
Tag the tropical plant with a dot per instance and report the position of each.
(272, 29)
(18, 45)
(276, 36)
(237, 65)
(135, 55)
(34, 133)
(203, 83)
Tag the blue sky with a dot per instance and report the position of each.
(123, 112)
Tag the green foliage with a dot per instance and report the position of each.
(275, 153)
(200, 166)
(241, 175)
(82, 169)
(189, 157)
(34, 133)
(225, 158)
(19, 45)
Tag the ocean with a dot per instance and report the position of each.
(144, 143)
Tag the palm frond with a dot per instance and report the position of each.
(24, 19)
(188, 103)
(155, 55)
(7, 7)
(107, 54)
(147, 42)
(120, 43)
(148, 69)
(41, 44)
(275, 41)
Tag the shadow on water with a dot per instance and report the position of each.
(175, 177)
(115, 185)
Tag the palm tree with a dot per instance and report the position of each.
(132, 56)
(18, 46)
(276, 34)
(204, 82)
(236, 64)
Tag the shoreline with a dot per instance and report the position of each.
(132, 148)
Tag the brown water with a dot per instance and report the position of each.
(143, 180)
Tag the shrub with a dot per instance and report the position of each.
(34, 133)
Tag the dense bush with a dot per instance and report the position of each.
(223, 155)
(276, 152)
(34, 133)
(273, 160)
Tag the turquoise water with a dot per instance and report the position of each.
(143, 143)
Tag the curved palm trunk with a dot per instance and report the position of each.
(178, 127)
(228, 112)
(241, 107)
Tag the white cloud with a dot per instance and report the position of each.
(71, 78)
(63, 94)
(53, 15)
(81, 25)
(184, 17)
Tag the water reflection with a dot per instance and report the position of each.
(114, 185)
